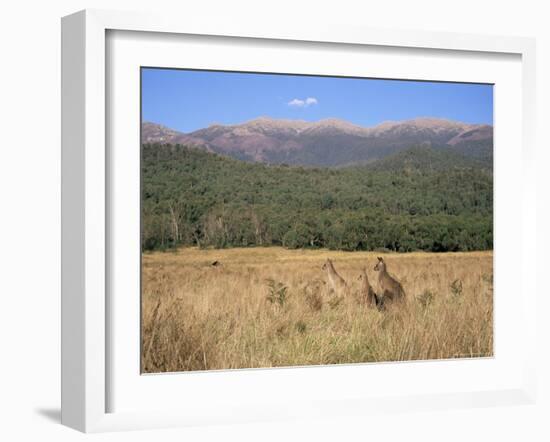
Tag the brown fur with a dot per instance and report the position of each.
(366, 292)
(336, 283)
(391, 288)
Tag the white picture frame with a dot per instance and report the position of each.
(86, 204)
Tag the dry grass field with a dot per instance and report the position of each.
(269, 307)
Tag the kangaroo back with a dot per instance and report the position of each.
(391, 287)
(336, 282)
(367, 293)
(335, 274)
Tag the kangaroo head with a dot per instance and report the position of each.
(327, 264)
(380, 265)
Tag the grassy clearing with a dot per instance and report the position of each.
(269, 307)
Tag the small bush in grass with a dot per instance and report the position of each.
(278, 292)
(456, 288)
(426, 298)
(335, 302)
(301, 327)
(488, 278)
(314, 301)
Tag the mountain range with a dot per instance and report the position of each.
(330, 142)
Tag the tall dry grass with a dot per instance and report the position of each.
(268, 307)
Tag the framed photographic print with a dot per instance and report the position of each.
(299, 238)
(250, 214)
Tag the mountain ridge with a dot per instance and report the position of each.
(328, 142)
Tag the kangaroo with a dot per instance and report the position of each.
(337, 284)
(391, 288)
(366, 292)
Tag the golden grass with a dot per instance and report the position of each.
(196, 316)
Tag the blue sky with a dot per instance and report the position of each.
(188, 100)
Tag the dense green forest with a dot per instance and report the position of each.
(419, 199)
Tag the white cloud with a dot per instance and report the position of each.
(296, 103)
(309, 101)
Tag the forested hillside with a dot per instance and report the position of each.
(420, 199)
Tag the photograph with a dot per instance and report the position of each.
(292, 220)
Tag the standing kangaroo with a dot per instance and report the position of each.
(391, 288)
(366, 292)
(337, 284)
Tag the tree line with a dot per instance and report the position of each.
(193, 197)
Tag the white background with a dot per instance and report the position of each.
(256, 389)
(30, 218)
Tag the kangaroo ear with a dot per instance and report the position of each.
(380, 259)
